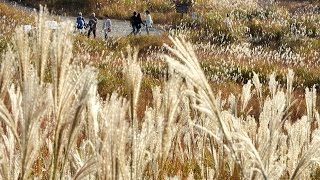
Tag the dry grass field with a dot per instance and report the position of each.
(200, 101)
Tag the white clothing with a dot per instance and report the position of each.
(27, 28)
(107, 27)
(107, 24)
(149, 21)
(228, 23)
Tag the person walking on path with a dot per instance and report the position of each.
(228, 23)
(107, 27)
(139, 23)
(93, 25)
(149, 21)
(80, 23)
(133, 21)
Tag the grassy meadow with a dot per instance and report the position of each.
(200, 101)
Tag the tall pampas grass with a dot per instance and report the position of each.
(189, 67)
(133, 77)
(43, 111)
(54, 124)
(265, 153)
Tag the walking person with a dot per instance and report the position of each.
(139, 23)
(193, 19)
(149, 21)
(92, 25)
(228, 23)
(80, 23)
(133, 21)
(107, 27)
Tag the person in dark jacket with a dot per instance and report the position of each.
(139, 23)
(93, 25)
(133, 21)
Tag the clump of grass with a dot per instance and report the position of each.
(188, 67)
(10, 18)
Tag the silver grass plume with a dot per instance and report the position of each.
(35, 103)
(133, 76)
(269, 135)
(33, 48)
(114, 138)
(303, 148)
(70, 89)
(188, 66)
(232, 101)
(258, 87)
(246, 95)
(72, 97)
(32, 101)
(93, 106)
(9, 161)
(41, 44)
(290, 79)
(311, 102)
(29, 107)
(162, 123)
(273, 85)
(7, 70)
(171, 97)
(23, 51)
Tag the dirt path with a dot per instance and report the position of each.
(120, 28)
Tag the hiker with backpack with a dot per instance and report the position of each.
(80, 23)
(92, 25)
(107, 27)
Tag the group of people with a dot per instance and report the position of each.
(136, 23)
(81, 25)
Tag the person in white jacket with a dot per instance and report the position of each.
(107, 25)
(228, 23)
(149, 21)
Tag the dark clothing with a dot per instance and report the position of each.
(134, 22)
(93, 31)
(139, 24)
(93, 23)
(92, 26)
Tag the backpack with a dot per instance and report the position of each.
(80, 22)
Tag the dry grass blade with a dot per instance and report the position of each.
(87, 168)
(189, 67)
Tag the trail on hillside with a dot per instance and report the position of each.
(120, 28)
